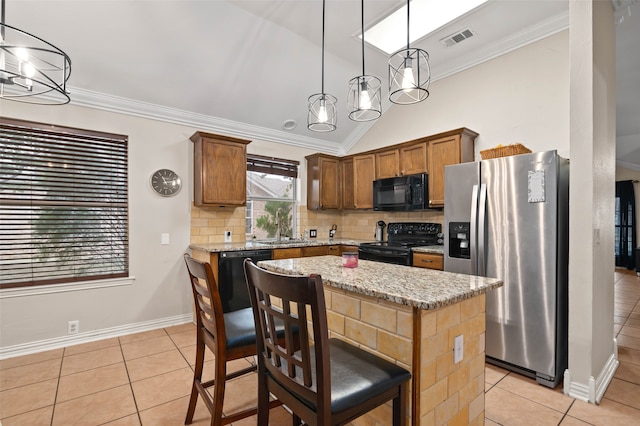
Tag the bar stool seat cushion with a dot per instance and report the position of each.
(240, 328)
(357, 375)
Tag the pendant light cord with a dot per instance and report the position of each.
(362, 16)
(323, 8)
(408, 24)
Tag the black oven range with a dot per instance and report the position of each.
(401, 237)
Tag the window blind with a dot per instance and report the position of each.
(63, 204)
(271, 165)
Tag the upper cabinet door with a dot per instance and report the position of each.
(323, 182)
(454, 148)
(387, 164)
(442, 152)
(413, 159)
(363, 176)
(220, 170)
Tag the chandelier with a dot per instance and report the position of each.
(409, 74)
(322, 106)
(32, 70)
(364, 99)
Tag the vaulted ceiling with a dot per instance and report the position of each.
(247, 67)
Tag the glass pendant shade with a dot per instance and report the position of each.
(409, 76)
(323, 113)
(364, 99)
(31, 69)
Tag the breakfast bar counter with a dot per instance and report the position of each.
(410, 316)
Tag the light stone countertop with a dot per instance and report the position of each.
(406, 285)
(263, 245)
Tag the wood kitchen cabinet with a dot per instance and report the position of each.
(323, 182)
(315, 251)
(220, 170)
(287, 253)
(363, 177)
(357, 175)
(388, 164)
(428, 260)
(346, 177)
(413, 159)
(450, 148)
(347, 183)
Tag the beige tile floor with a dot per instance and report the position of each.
(145, 379)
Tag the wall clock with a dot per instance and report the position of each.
(166, 182)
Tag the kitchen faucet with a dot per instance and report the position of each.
(278, 231)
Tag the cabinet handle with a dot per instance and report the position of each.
(426, 260)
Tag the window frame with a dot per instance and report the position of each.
(278, 167)
(59, 191)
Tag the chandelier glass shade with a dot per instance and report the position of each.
(31, 69)
(409, 74)
(364, 100)
(323, 113)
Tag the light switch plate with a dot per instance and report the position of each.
(165, 239)
(227, 236)
(313, 233)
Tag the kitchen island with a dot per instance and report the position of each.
(410, 316)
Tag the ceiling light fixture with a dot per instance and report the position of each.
(364, 100)
(31, 69)
(409, 74)
(323, 113)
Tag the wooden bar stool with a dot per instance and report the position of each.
(325, 382)
(229, 336)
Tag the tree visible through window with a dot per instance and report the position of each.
(64, 205)
(271, 190)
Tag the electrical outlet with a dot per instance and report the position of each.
(458, 349)
(73, 327)
(313, 233)
(227, 236)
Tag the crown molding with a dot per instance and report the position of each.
(116, 104)
(529, 35)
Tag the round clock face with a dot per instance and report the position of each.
(166, 182)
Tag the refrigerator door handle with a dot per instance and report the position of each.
(473, 230)
(482, 226)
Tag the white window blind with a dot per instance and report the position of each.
(63, 204)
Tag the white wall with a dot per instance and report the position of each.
(522, 96)
(160, 294)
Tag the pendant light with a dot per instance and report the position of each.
(409, 74)
(364, 100)
(322, 106)
(31, 69)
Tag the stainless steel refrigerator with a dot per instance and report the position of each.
(507, 218)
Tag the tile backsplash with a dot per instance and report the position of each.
(209, 224)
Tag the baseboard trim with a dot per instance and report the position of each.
(594, 390)
(92, 336)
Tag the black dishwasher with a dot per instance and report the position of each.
(231, 282)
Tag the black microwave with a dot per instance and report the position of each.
(402, 193)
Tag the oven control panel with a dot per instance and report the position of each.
(414, 228)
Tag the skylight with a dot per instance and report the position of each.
(390, 34)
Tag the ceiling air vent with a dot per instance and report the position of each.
(456, 38)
